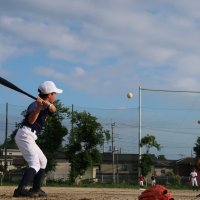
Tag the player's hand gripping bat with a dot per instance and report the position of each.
(14, 87)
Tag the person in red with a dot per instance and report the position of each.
(141, 181)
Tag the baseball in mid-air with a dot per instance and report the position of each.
(130, 95)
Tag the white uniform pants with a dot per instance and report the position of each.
(141, 183)
(194, 182)
(25, 140)
(153, 182)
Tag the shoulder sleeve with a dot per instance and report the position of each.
(31, 107)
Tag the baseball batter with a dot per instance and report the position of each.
(193, 176)
(37, 113)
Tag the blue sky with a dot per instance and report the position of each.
(98, 51)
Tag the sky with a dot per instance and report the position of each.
(98, 51)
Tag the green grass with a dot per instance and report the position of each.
(92, 185)
(100, 185)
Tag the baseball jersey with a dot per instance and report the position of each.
(193, 174)
(40, 121)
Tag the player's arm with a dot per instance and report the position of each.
(49, 105)
(35, 113)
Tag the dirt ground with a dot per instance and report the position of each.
(66, 193)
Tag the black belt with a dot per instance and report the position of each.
(32, 129)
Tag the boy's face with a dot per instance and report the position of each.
(52, 97)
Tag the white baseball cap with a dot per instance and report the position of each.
(48, 87)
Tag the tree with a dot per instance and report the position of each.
(197, 148)
(84, 139)
(149, 141)
(175, 178)
(161, 157)
(147, 160)
(10, 142)
(51, 138)
(197, 153)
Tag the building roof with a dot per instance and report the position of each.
(107, 157)
(165, 163)
(187, 160)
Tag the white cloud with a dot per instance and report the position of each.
(79, 71)
(49, 72)
(116, 45)
(190, 84)
(44, 34)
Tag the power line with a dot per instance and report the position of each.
(161, 90)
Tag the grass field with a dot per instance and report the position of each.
(71, 193)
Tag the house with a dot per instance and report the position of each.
(124, 169)
(11, 152)
(89, 176)
(14, 159)
(162, 167)
(181, 167)
(160, 170)
(184, 166)
(15, 163)
(117, 168)
(62, 170)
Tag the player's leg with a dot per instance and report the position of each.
(193, 184)
(39, 176)
(196, 184)
(141, 184)
(25, 141)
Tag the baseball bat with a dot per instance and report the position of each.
(14, 87)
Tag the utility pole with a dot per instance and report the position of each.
(117, 166)
(139, 138)
(113, 152)
(72, 118)
(5, 143)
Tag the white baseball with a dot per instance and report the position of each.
(130, 95)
